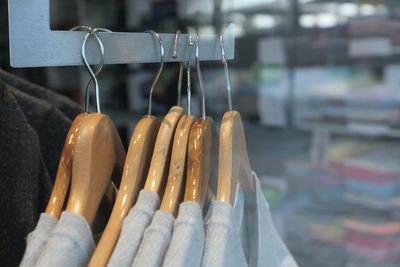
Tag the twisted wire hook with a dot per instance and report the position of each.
(153, 85)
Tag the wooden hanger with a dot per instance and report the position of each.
(64, 171)
(233, 164)
(177, 170)
(200, 152)
(201, 148)
(98, 151)
(133, 178)
(158, 171)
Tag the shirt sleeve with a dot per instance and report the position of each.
(37, 239)
(71, 243)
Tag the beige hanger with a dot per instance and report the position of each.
(64, 171)
(64, 174)
(177, 170)
(98, 150)
(200, 151)
(157, 175)
(233, 164)
(135, 171)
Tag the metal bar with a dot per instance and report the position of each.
(34, 44)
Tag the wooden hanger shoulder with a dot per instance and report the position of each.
(98, 150)
(200, 144)
(64, 171)
(233, 164)
(135, 170)
(158, 170)
(177, 170)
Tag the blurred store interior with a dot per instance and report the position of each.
(318, 85)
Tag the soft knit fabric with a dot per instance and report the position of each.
(133, 228)
(71, 243)
(156, 240)
(227, 240)
(37, 239)
(187, 243)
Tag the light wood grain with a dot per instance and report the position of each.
(135, 170)
(158, 171)
(199, 160)
(173, 194)
(233, 164)
(64, 171)
(98, 150)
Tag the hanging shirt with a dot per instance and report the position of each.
(132, 230)
(226, 235)
(37, 239)
(71, 243)
(156, 240)
(187, 243)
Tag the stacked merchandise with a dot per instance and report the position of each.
(372, 244)
(316, 238)
(360, 179)
(348, 100)
(372, 179)
(382, 26)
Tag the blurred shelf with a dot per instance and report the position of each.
(346, 130)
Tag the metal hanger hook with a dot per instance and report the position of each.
(90, 70)
(90, 31)
(153, 85)
(200, 76)
(226, 70)
(189, 80)
(174, 55)
(98, 71)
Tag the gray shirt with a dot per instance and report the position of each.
(156, 240)
(132, 230)
(37, 239)
(226, 237)
(71, 243)
(187, 243)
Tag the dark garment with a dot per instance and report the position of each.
(32, 133)
(50, 124)
(65, 105)
(23, 174)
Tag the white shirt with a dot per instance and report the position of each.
(227, 239)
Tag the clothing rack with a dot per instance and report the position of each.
(34, 44)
